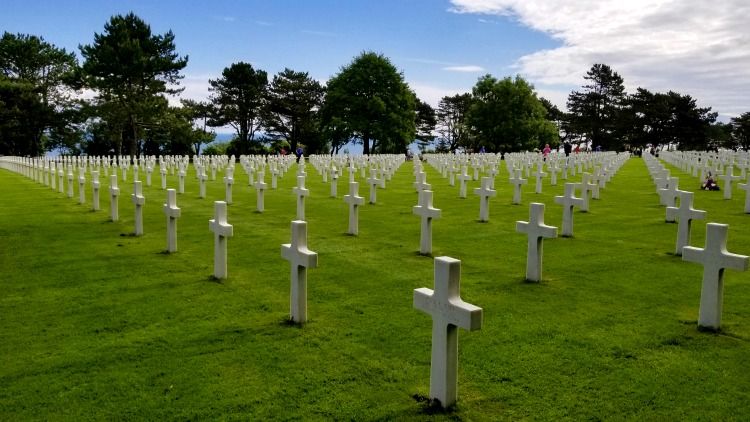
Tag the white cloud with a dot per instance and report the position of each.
(470, 69)
(432, 94)
(692, 47)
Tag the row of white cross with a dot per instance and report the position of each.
(444, 304)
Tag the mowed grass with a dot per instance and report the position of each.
(97, 324)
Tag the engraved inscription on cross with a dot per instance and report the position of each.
(448, 313)
(715, 260)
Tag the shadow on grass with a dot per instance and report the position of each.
(426, 255)
(128, 235)
(287, 322)
(214, 279)
(542, 282)
(431, 407)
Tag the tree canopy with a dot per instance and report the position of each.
(131, 70)
(505, 115)
(237, 100)
(35, 93)
(370, 100)
(293, 101)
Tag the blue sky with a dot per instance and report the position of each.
(442, 46)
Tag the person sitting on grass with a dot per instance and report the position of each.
(709, 183)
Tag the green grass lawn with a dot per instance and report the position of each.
(99, 324)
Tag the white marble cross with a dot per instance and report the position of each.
(149, 170)
(228, 181)
(60, 175)
(163, 171)
(728, 178)
(114, 192)
(536, 231)
(373, 181)
(427, 212)
(222, 231)
(539, 175)
(484, 199)
(491, 173)
(517, 181)
(81, 185)
(274, 177)
(448, 313)
(181, 173)
(685, 214)
(260, 187)
(95, 185)
(300, 259)
(421, 183)
(173, 213)
(354, 201)
(568, 201)
(334, 179)
(463, 177)
(746, 188)
(586, 186)
(138, 201)
(70, 181)
(715, 260)
(202, 177)
(668, 196)
(301, 193)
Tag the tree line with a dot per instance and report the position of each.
(116, 102)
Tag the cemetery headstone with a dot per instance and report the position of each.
(427, 212)
(222, 231)
(536, 231)
(138, 201)
(173, 213)
(484, 199)
(715, 260)
(568, 201)
(685, 214)
(448, 313)
(300, 258)
(354, 201)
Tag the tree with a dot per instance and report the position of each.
(371, 101)
(594, 112)
(35, 93)
(293, 101)
(131, 70)
(741, 130)
(451, 121)
(506, 116)
(425, 121)
(690, 125)
(556, 116)
(720, 135)
(195, 111)
(237, 101)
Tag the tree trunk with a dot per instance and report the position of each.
(366, 143)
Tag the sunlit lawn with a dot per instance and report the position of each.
(99, 324)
